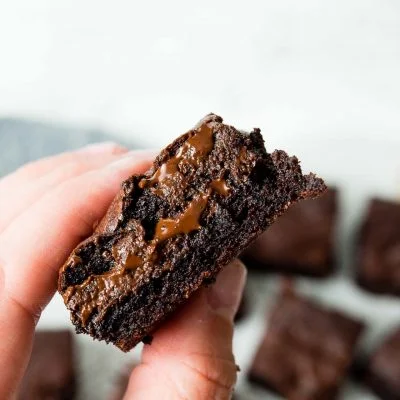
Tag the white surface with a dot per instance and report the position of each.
(320, 78)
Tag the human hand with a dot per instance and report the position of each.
(46, 209)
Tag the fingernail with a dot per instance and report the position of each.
(225, 295)
(102, 147)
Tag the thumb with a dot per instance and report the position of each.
(191, 355)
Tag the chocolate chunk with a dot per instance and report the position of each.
(168, 232)
(50, 373)
(306, 350)
(378, 254)
(300, 242)
(383, 368)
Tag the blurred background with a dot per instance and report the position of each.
(321, 79)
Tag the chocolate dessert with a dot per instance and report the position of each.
(306, 350)
(170, 231)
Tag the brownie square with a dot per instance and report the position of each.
(306, 350)
(170, 231)
(300, 242)
(378, 253)
(50, 373)
(383, 369)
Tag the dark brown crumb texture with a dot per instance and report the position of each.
(171, 230)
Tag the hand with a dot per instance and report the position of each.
(46, 209)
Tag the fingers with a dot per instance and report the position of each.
(41, 167)
(191, 355)
(34, 246)
(26, 193)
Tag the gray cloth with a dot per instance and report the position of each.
(23, 140)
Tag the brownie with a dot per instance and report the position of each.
(306, 350)
(51, 370)
(383, 368)
(378, 250)
(300, 242)
(170, 231)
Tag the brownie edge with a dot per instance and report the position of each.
(170, 231)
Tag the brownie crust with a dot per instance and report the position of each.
(170, 231)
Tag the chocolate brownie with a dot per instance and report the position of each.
(378, 252)
(51, 369)
(171, 230)
(300, 242)
(306, 350)
(383, 369)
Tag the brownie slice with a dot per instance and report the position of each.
(300, 242)
(378, 253)
(306, 350)
(170, 231)
(383, 369)
(51, 369)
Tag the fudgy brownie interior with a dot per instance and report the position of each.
(171, 230)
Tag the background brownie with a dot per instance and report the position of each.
(50, 373)
(378, 255)
(301, 241)
(383, 370)
(209, 193)
(306, 350)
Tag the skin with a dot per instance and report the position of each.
(48, 207)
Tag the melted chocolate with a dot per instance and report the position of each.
(192, 151)
(220, 186)
(187, 222)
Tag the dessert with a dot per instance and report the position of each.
(383, 369)
(51, 370)
(170, 231)
(301, 241)
(378, 252)
(306, 350)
